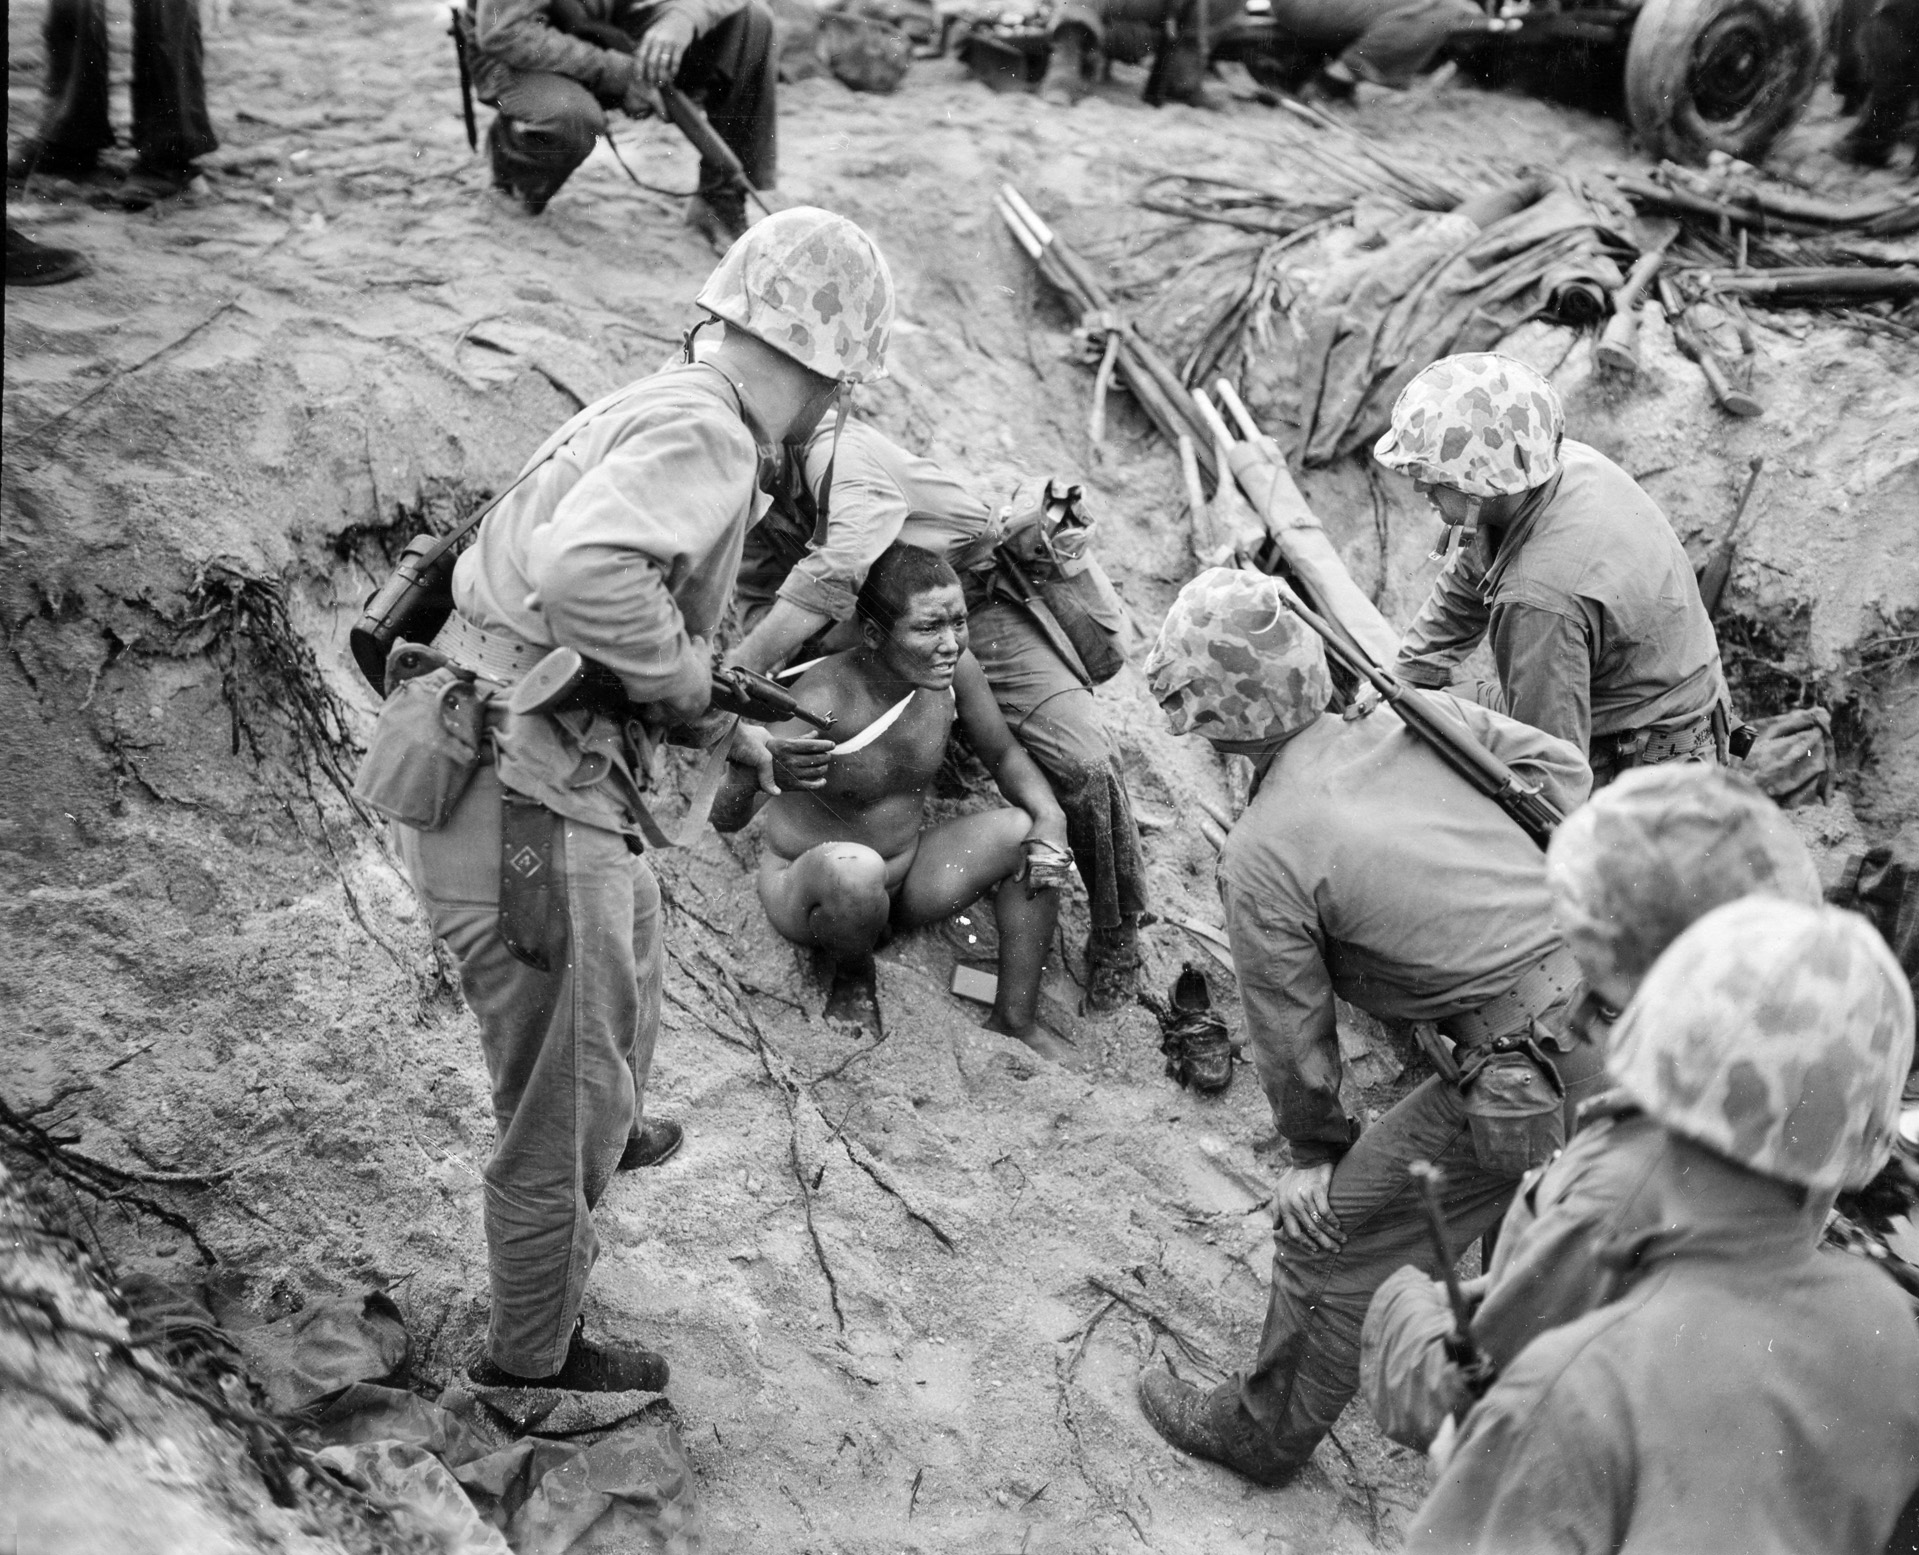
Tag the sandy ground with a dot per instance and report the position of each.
(342, 329)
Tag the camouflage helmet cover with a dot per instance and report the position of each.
(1233, 664)
(813, 286)
(1481, 423)
(1777, 1035)
(1658, 849)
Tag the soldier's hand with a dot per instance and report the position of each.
(1302, 1198)
(642, 101)
(662, 49)
(794, 763)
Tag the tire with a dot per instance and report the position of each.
(1720, 75)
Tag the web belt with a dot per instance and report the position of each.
(492, 655)
(1540, 987)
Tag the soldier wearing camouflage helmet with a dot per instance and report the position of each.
(1571, 571)
(621, 540)
(1744, 1389)
(1629, 872)
(1365, 869)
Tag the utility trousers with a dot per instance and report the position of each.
(567, 1051)
(1386, 41)
(548, 122)
(1056, 718)
(170, 124)
(1307, 1368)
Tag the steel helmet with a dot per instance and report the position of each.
(813, 286)
(1777, 1035)
(1660, 848)
(1481, 423)
(1231, 663)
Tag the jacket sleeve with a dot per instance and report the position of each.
(1552, 1275)
(1539, 1467)
(603, 568)
(1558, 767)
(1286, 996)
(1544, 660)
(1410, 1382)
(1448, 626)
(518, 33)
(703, 14)
(865, 512)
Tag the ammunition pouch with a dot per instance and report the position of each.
(1515, 1105)
(428, 743)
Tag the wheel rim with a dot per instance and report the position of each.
(1734, 63)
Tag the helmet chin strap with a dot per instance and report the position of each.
(1457, 536)
(843, 394)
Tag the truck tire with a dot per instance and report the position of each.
(1720, 75)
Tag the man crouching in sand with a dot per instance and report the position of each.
(849, 860)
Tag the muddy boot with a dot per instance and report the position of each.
(1112, 967)
(519, 178)
(1198, 1050)
(35, 264)
(659, 1140)
(589, 1368)
(718, 214)
(1198, 1422)
(1073, 68)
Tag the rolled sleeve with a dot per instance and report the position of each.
(1449, 624)
(518, 33)
(1410, 1381)
(866, 511)
(1286, 996)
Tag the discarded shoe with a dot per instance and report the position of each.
(589, 1368)
(1198, 1049)
(36, 264)
(658, 1140)
(718, 215)
(1191, 1420)
(1112, 967)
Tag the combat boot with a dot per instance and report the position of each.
(657, 1141)
(1207, 1426)
(589, 1368)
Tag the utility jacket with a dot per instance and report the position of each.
(517, 33)
(1367, 868)
(879, 493)
(624, 544)
(1747, 1392)
(1596, 622)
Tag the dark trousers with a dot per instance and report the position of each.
(1307, 1368)
(548, 122)
(170, 124)
(1057, 720)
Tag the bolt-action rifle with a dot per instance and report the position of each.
(1423, 714)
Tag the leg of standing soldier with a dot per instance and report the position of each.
(1056, 718)
(170, 124)
(562, 1050)
(1308, 1363)
(546, 128)
(74, 127)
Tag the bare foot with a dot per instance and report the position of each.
(1043, 1042)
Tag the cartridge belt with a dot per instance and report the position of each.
(493, 655)
(1540, 987)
